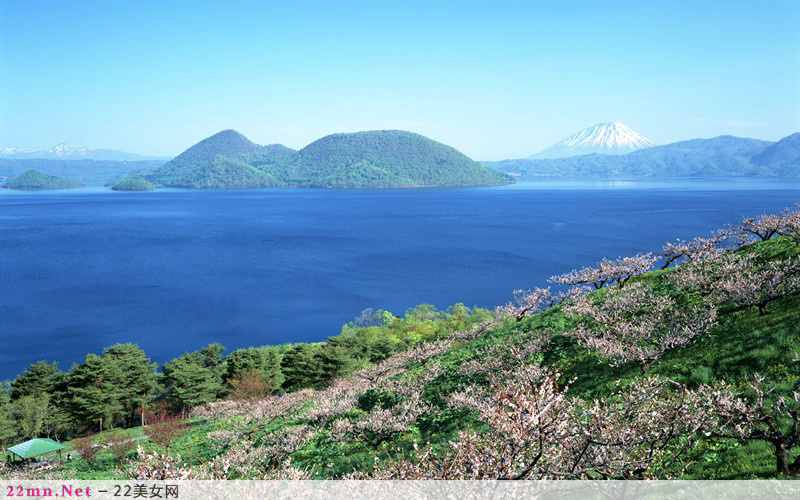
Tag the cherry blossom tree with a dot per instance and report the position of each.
(537, 432)
(617, 271)
(704, 276)
(791, 225)
(530, 302)
(740, 279)
(693, 250)
(164, 430)
(765, 226)
(757, 414)
(637, 325)
(762, 286)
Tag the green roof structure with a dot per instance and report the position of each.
(34, 447)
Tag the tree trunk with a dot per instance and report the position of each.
(794, 468)
(101, 425)
(782, 459)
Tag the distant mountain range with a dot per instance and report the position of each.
(718, 157)
(612, 138)
(394, 158)
(67, 152)
(381, 158)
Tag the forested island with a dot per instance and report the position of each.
(33, 179)
(375, 159)
(612, 372)
(132, 184)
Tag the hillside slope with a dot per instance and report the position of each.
(387, 158)
(433, 411)
(722, 156)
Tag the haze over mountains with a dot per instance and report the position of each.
(394, 158)
(722, 156)
(67, 152)
(612, 138)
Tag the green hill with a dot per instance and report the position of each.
(132, 184)
(33, 179)
(409, 410)
(464, 393)
(212, 162)
(386, 158)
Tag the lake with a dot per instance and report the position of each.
(174, 270)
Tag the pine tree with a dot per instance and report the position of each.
(94, 397)
(134, 377)
(299, 367)
(189, 384)
(40, 378)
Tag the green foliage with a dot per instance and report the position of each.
(266, 360)
(132, 184)
(299, 368)
(133, 377)
(8, 429)
(385, 158)
(83, 171)
(195, 378)
(93, 396)
(33, 179)
(31, 414)
(740, 345)
(40, 378)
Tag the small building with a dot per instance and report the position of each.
(35, 447)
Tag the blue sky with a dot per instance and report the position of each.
(493, 79)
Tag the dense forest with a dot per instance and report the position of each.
(385, 158)
(615, 371)
(132, 184)
(33, 179)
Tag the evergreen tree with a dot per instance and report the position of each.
(330, 361)
(40, 378)
(94, 397)
(7, 425)
(133, 376)
(189, 384)
(265, 360)
(299, 367)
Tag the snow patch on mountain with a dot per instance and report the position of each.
(64, 151)
(612, 138)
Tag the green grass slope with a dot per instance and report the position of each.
(741, 344)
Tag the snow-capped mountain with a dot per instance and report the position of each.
(67, 152)
(611, 138)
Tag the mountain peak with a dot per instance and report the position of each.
(612, 138)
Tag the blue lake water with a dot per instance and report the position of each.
(173, 270)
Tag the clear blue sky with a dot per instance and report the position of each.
(493, 79)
